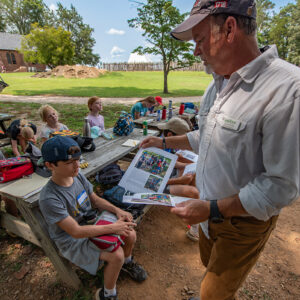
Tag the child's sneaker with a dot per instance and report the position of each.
(193, 234)
(100, 295)
(135, 271)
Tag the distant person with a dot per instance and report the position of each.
(140, 109)
(21, 132)
(49, 115)
(95, 106)
(66, 201)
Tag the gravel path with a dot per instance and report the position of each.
(83, 100)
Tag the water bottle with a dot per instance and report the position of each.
(170, 110)
(86, 128)
(164, 113)
(181, 109)
(145, 128)
(158, 115)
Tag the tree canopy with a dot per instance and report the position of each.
(156, 18)
(48, 45)
(17, 16)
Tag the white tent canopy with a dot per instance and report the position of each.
(136, 58)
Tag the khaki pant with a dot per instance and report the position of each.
(230, 253)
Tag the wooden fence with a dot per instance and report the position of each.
(146, 67)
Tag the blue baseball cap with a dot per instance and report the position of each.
(56, 149)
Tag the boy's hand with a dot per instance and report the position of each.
(122, 227)
(151, 141)
(124, 214)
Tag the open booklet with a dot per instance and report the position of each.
(189, 155)
(149, 171)
(154, 199)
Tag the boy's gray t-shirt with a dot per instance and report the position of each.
(57, 203)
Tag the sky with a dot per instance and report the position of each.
(115, 40)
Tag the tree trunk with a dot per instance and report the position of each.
(166, 91)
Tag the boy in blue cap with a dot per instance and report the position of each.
(66, 201)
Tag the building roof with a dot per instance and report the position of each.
(136, 58)
(10, 41)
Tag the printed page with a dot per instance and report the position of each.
(152, 199)
(188, 155)
(149, 171)
(190, 169)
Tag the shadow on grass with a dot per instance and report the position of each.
(109, 92)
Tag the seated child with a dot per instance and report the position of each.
(66, 200)
(21, 132)
(183, 185)
(95, 119)
(140, 108)
(49, 115)
(159, 102)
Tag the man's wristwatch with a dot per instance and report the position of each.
(215, 215)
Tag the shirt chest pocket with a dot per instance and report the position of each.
(230, 132)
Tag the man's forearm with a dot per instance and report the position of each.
(178, 142)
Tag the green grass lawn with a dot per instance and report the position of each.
(112, 84)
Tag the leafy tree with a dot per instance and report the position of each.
(18, 15)
(48, 45)
(81, 34)
(294, 35)
(264, 18)
(279, 30)
(157, 18)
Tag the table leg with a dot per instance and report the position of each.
(35, 220)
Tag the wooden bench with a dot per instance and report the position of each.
(34, 229)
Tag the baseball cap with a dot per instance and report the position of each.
(176, 125)
(56, 149)
(204, 8)
(159, 100)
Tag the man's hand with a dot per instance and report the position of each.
(151, 141)
(192, 211)
(127, 216)
(122, 227)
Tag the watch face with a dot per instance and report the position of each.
(216, 220)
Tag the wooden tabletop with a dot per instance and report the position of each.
(106, 152)
(5, 117)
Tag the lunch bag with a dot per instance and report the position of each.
(111, 174)
(124, 125)
(107, 242)
(14, 168)
(85, 143)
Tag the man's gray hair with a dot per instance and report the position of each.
(248, 25)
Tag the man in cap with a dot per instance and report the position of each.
(248, 142)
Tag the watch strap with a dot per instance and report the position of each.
(215, 215)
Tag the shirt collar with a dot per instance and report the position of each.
(249, 72)
(252, 70)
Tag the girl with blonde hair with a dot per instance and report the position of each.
(21, 132)
(49, 115)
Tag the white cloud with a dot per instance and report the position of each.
(113, 31)
(116, 51)
(53, 7)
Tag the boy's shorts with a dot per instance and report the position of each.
(230, 253)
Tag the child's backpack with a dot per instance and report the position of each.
(14, 168)
(85, 143)
(124, 125)
(107, 242)
(111, 174)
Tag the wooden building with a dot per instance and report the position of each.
(11, 59)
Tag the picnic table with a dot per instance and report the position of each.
(153, 123)
(34, 227)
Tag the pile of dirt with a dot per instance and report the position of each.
(72, 72)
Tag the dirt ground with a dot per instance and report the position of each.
(172, 262)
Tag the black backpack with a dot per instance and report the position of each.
(111, 174)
